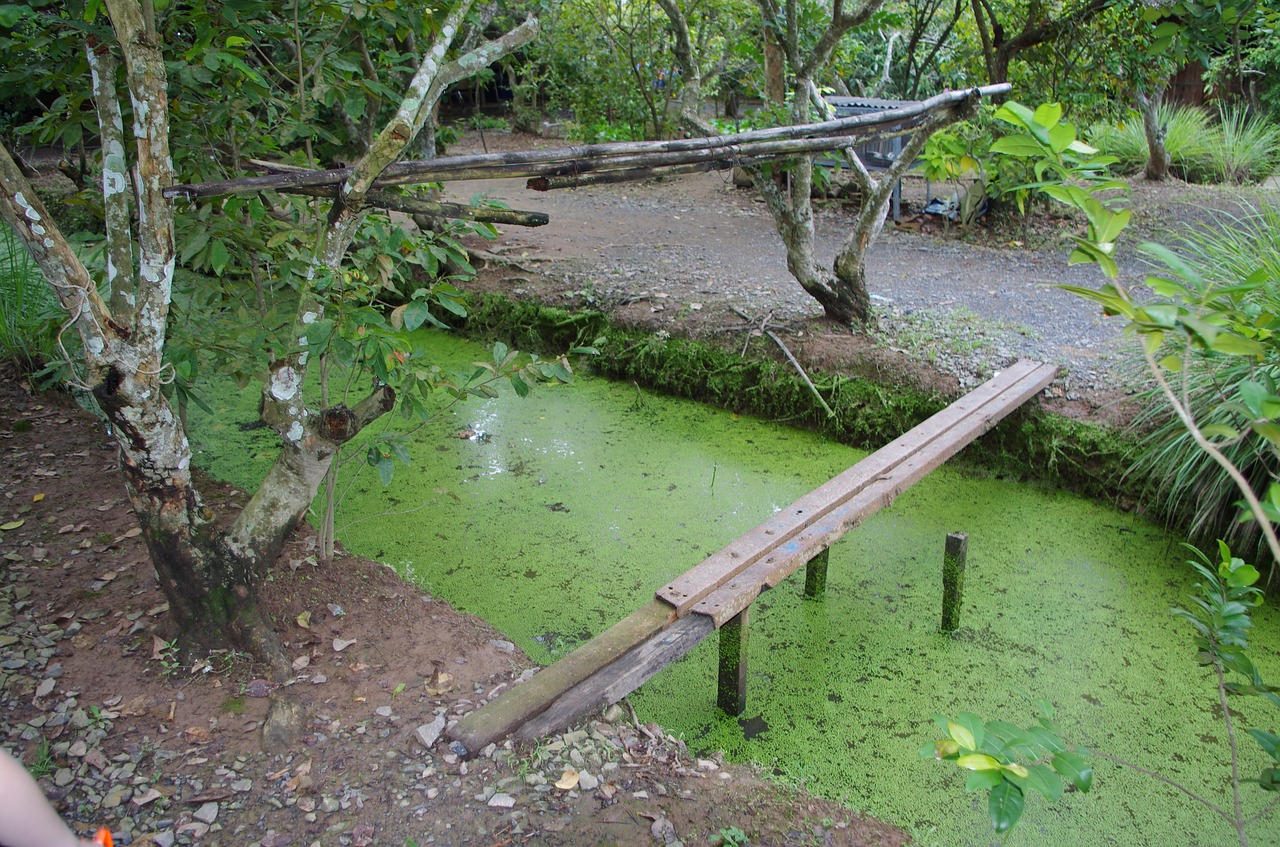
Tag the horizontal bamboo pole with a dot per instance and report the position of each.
(499, 165)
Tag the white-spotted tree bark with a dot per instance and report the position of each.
(209, 569)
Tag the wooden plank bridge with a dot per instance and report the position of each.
(717, 593)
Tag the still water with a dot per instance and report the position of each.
(556, 515)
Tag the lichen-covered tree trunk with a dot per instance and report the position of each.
(1158, 158)
(208, 574)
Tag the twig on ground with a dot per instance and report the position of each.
(790, 358)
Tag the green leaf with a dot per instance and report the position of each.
(218, 256)
(500, 351)
(1043, 779)
(1005, 806)
(386, 468)
(983, 780)
(1268, 741)
(400, 451)
(977, 762)
(415, 314)
(10, 15)
(962, 736)
(1048, 114)
(519, 385)
(1076, 768)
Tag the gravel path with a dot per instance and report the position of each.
(701, 243)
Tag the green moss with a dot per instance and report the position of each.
(1029, 445)
(233, 706)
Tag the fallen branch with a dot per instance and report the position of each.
(790, 358)
(422, 206)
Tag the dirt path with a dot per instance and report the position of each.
(680, 253)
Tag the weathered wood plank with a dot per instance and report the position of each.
(695, 584)
(741, 589)
(619, 679)
(517, 706)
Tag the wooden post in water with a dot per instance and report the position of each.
(815, 576)
(731, 689)
(953, 561)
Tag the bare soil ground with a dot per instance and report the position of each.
(687, 255)
(125, 733)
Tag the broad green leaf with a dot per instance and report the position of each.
(1270, 779)
(519, 385)
(983, 780)
(1005, 806)
(1269, 742)
(415, 314)
(1269, 431)
(500, 351)
(1214, 430)
(1076, 768)
(1042, 779)
(962, 736)
(400, 451)
(978, 762)
(218, 256)
(1048, 114)
(386, 469)
(1061, 136)
(12, 525)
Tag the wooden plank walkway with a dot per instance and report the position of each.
(704, 598)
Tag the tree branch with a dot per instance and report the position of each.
(116, 183)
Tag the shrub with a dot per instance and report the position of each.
(29, 313)
(1245, 147)
(1186, 487)
(1187, 138)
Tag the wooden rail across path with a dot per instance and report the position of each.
(717, 592)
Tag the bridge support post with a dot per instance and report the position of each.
(731, 688)
(953, 561)
(815, 576)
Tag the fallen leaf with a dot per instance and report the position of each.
(568, 780)
(37, 498)
(146, 797)
(304, 620)
(11, 525)
(301, 662)
(133, 533)
(340, 644)
(158, 646)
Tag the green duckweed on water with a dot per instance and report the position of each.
(556, 515)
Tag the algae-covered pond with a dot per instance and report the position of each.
(560, 513)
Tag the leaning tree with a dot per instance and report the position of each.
(787, 190)
(209, 568)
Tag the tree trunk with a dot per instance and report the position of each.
(775, 68)
(1158, 157)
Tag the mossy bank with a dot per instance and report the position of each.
(1031, 445)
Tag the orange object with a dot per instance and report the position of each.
(103, 837)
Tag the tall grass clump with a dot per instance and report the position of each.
(1245, 148)
(30, 315)
(1188, 136)
(1184, 486)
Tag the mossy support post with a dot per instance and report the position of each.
(731, 689)
(815, 576)
(953, 562)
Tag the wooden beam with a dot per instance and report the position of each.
(687, 590)
(617, 680)
(524, 702)
(772, 564)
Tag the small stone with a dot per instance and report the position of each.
(285, 723)
(163, 839)
(383, 711)
(115, 796)
(613, 714)
(502, 801)
(433, 793)
(63, 777)
(240, 786)
(587, 781)
(429, 733)
(330, 805)
(503, 646)
(208, 813)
